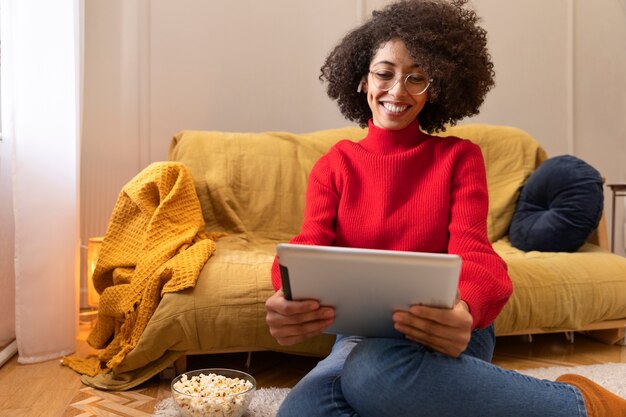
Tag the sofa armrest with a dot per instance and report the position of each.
(600, 236)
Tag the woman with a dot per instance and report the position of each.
(413, 68)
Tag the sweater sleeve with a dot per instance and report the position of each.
(320, 211)
(484, 282)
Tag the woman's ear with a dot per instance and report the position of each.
(362, 88)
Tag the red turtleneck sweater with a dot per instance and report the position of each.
(406, 190)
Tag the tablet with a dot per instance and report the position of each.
(365, 286)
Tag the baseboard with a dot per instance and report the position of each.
(7, 352)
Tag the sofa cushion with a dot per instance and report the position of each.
(225, 311)
(559, 206)
(561, 291)
(254, 182)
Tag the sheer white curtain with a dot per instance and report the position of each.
(7, 273)
(41, 50)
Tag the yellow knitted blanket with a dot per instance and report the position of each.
(154, 244)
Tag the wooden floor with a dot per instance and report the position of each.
(46, 389)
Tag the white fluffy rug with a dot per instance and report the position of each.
(611, 376)
(266, 401)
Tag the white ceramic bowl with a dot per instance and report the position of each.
(213, 392)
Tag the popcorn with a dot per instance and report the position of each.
(212, 395)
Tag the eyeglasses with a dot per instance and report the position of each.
(415, 84)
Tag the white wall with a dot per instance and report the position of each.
(241, 65)
(531, 45)
(154, 67)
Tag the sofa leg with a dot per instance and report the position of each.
(569, 336)
(180, 365)
(174, 369)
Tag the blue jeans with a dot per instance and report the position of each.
(397, 377)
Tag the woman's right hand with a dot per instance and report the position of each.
(292, 322)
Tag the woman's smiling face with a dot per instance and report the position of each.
(393, 109)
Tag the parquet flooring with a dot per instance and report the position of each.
(51, 390)
(134, 403)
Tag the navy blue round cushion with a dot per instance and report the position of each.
(559, 206)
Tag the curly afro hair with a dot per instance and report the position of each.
(443, 38)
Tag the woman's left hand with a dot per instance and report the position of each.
(445, 330)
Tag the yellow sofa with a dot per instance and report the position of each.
(252, 185)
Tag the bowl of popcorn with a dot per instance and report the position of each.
(213, 392)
